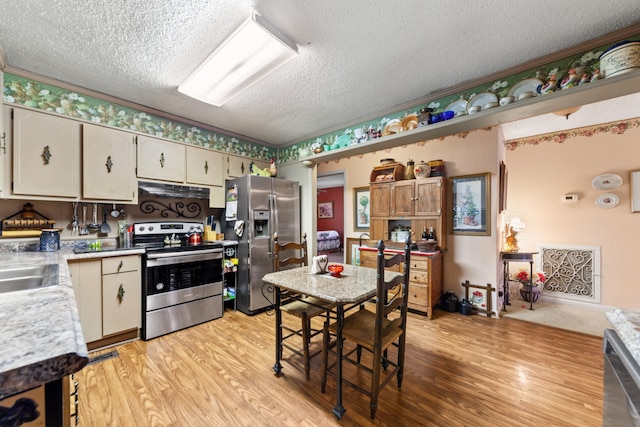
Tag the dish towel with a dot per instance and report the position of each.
(319, 264)
(239, 228)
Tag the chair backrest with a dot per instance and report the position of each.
(393, 295)
(292, 254)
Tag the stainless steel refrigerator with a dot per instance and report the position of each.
(260, 206)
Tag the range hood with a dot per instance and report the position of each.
(172, 190)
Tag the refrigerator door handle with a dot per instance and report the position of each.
(274, 222)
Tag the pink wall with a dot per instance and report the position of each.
(335, 195)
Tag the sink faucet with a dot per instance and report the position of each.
(361, 236)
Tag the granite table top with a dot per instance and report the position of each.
(354, 284)
(40, 333)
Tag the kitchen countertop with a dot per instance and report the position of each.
(40, 333)
(627, 325)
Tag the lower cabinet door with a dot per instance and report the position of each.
(121, 302)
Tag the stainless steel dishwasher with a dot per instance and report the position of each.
(621, 383)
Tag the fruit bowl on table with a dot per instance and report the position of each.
(335, 269)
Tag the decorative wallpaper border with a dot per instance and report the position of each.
(586, 63)
(30, 93)
(559, 137)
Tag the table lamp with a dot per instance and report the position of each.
(511, 230)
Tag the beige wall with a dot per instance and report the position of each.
(539, 175)
(473, 258)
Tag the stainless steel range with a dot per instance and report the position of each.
(181, 281)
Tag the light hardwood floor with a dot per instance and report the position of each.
(460, 371)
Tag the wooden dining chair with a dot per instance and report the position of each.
(287, 255)
(375, 330)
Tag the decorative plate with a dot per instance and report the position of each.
(458, 107)
(409, 122)
(528, 85)
(392, 127)
(481, 99)
(606, 181)
(607, 200)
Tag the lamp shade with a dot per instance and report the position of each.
(253, 51)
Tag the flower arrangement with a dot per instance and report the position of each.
(537, 280)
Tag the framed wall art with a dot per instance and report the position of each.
(634, 179)
(502, 201)
(470, 205)
(353, 251)
(325, 210)
(361, 205)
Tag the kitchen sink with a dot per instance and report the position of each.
(28, 278)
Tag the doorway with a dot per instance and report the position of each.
(330, 216)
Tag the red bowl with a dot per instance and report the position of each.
(335, 269)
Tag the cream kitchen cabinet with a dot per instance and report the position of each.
(162, 160)
(108, 292)
(121, 294)
(46, 155)
(237, 166)
(109, 159)
(86, 277)
(204, 167)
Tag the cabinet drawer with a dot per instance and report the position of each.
(420, 263)
(421, 277)
(418, 294)
(121, 314)
(120, 264)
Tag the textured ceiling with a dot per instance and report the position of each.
(357, 58)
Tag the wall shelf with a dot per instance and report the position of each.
(600, 90)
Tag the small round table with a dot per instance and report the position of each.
(506, 258)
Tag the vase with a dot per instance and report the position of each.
(527, 290)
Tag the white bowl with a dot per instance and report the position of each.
(474, 109)
(525, 95)
(507, 100)
(489, 105)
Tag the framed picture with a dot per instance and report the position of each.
(470, 203)
(634, 179)
(325, 210)
(502, 201)
(361, 205)
(353, 251)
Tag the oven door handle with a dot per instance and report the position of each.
(175, 255)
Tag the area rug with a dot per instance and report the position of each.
(573, 318)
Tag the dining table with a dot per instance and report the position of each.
(353, 286)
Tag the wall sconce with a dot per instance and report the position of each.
(253, 51)
(511, 230)
(566, 112)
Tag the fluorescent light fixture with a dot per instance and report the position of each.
(254, 50)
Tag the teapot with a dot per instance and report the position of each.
(194, 238)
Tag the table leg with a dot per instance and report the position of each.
(531, 285)
(339, 410)
(277, 368)
(505, 285)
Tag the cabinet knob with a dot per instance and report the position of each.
(161, 160)
(109, 164)
(4, 143)
(206, 167)
(46, 155)
(120, 265)
(120, 293)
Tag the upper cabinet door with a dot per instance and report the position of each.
(380, 199)
(161, 160)
(403, 198)
(109, 163)
(430, 196)
(204, 167)
(237, 167)
(46, 155)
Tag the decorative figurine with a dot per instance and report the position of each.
(570, 80)
(549, 86)
(510, 240)
(272, 168)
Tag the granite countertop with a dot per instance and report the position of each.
(627, 325)
(40, 333)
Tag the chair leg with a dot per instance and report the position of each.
(358, 353)
(306, 339)
(401, 348)
(385, 360)
(375, 381)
